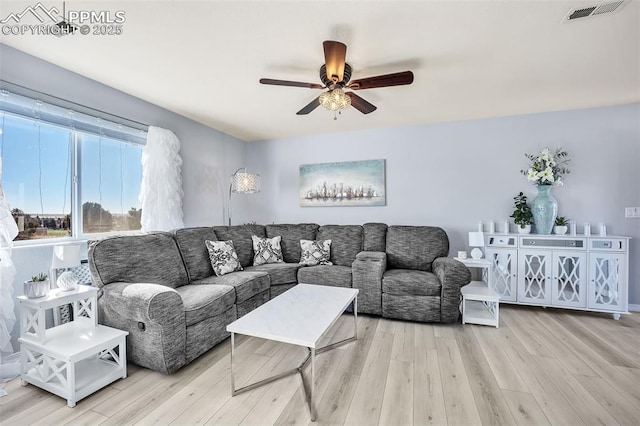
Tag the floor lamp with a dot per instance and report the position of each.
(242, 183)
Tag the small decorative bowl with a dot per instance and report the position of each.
(35, 289)
(67, 281)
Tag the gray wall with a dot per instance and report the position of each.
(456, 174)
(209, 156)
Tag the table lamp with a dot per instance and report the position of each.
(65, 256)
(476, 239)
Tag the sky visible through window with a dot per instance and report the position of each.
(37, 178)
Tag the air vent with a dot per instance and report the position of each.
(607, 8)
(599, 9)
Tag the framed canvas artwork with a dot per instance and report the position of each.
(349, 183)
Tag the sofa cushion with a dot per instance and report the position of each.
(415, 247)
(246, 283)
(337, 276)
(279, 273)
(315, 252)
(224, 258)
(194, 253)
(291, 236)
(150, 258)
(205, 301)
(266, 250)
(412, 308)
(346, 242)
(410, 282)
(241, 237)
(375, 236)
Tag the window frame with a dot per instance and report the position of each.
(77, 235)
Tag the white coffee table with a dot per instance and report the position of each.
(300, 316)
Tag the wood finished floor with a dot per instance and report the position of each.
(541, 367)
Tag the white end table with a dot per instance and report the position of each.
(480, 304)
(484, 264)
(75, 359)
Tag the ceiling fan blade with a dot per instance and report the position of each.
(291, 83)
(395, 79)
(335, 55)
(360, 104)
(310, 107)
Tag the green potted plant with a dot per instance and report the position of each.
(37, 286)
(522, 215)
(561, 224)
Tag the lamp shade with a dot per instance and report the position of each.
(245, 183)
(476, 239)
(65, 256)
(335, 100)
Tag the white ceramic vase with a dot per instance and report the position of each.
(35, 289)
(526, 229)
(560, 230)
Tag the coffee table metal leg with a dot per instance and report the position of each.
(355, 318)
(312, 407)
(233, 383)
(348, 339)
(279, 376)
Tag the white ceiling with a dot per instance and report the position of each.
(471, 59)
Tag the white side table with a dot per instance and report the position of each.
(75, 359)
(484, 264)
(480, 304)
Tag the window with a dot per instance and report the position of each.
(111, 174)
(68, 179)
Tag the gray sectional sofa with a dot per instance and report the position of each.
(161, 288)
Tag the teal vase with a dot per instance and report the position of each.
(545, 209)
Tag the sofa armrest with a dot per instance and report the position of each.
(453, 275)
(367, 271)
(154, 317)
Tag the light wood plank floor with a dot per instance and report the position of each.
(541, 367)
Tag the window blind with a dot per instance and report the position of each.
(70, 117)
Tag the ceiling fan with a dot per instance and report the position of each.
(335, 75)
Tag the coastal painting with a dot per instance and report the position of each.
(349, 183)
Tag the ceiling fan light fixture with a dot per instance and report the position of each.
(335, 100)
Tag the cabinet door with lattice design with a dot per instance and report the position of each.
(503, 270)
(569, 279)
(534, 277)
(607, 287)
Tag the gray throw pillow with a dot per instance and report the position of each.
(315, 252)
(223, 256)
(267, 250)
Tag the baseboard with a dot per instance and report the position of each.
(634, 308)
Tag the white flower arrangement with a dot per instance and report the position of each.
(547, 167)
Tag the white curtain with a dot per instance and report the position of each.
(161, 190)
(9, 366)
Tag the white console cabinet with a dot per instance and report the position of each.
(502, 251)
(576, 272)
(608, 274)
